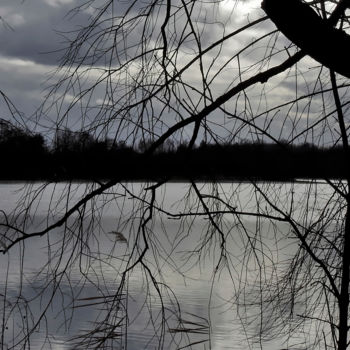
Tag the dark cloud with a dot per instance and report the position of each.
(31, 30)
(31, 47)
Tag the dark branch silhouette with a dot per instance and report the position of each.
(316, 36)
(176, 90)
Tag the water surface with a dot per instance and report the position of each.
(55, 283)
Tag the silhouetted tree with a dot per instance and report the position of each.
(182, 70)
(21, 153)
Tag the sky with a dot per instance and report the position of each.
(35, 33)
(32, 37)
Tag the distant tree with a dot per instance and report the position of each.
(20, 141)
(67, 140)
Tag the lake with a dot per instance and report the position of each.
(183, 291)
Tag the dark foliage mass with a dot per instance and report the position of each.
(78, 155)
(23, 154)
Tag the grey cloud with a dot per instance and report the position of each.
(35, 26)
(22, 82)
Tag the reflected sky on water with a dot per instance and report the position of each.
(188, 281)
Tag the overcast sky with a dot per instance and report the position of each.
(33, 35)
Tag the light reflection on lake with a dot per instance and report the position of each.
(198, 291)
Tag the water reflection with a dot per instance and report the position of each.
(39, 288)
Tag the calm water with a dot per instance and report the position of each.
(205, 296)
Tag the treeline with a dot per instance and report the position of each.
(80, 156)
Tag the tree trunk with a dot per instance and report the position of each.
(344, 292)
(315, 36)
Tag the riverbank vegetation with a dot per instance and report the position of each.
(80, 156)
